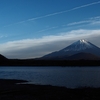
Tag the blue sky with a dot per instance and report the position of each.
(33, 28)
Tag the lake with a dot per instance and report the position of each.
(71, 77)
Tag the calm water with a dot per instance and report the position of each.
(58, 76)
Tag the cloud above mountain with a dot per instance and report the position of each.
(31, 48)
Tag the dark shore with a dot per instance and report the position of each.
(33, 62)
(9, 90)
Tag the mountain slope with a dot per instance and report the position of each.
(83, 56)
(2, 57)
(76, 47)
(79, 46)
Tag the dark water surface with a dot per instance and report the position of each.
(71, 77)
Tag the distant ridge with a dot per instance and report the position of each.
(2, 57)
(83, 56)
(82, 47)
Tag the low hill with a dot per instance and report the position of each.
(2, 57)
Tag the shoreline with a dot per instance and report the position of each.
(64, 63)
(10, 90)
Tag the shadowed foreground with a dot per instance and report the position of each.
(33, 62)
(9, 90)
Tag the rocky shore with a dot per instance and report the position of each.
(9, 90)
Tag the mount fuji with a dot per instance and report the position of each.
(80, 47)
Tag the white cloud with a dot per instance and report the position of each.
(56, 13)
(3, 36)
(95, 23)
(80, 22)
(47, 29)
(28, 48)
(91, 21)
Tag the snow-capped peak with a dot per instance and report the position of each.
(79, 45)
(82, 40)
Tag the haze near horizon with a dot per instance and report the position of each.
(33, 28)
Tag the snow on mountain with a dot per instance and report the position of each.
(75, 48)
(79, 45)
